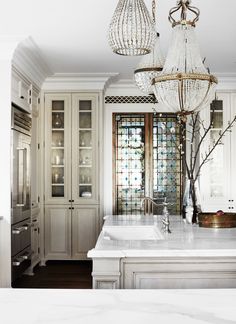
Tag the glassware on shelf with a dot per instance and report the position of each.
(56, 177)
(58, 120)
(85, 120)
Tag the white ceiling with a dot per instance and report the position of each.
(72, 34)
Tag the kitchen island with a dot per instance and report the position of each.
(188, 257)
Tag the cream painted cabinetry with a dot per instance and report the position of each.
(71, 175)
(217, 183)
(70, 231)
(24, 93)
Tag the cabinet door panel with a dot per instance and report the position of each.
(84, 149)
(57, 232)
(84, 231)
(215, 175)
(58, 148)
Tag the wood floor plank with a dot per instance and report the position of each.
(59, 274)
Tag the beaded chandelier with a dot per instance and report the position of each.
(184, 85)
(131, 31)
(151, 64)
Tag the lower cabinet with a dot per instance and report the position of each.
(84, 231)
(70, 231)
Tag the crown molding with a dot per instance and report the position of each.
(226, 81)
(78, 81)
(123, 87)
(29, 61)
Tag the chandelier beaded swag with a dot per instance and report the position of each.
(184, 85)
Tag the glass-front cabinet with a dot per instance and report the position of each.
(216, 179)
(84, 152)
(57, 148)
(71, 148)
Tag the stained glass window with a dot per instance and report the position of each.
(146, 161)
(130, 171)
(167, 168)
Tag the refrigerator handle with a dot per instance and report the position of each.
(21, 182)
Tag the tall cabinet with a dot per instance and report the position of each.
(71, 222)
(217, 185)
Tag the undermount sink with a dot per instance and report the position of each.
(127, 233)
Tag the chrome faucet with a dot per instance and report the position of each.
(148, 204)
(165, 217)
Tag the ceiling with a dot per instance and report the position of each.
(72, 34)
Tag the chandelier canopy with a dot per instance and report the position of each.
(131, 31)
(184, 85)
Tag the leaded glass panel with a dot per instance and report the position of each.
(166, 162)
(130, 181)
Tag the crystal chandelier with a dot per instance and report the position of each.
(131, 31)
(151, 64)
(184, 85)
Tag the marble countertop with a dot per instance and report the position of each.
(185, 240)
(34, 306)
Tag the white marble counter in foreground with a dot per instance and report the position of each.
(33, 306)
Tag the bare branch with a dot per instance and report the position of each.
(214, 146)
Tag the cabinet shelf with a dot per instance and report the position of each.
(58, 111)
(57, 129)
(57, 165)
(85, 184)
(57, 184)
(57, 147)
(85, 129)
(85, 147)
(85, 166)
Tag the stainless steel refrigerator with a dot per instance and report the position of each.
(20, 192)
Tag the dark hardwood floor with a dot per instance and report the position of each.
(58, 274)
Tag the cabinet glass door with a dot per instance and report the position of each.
(216, 171)
(84, 150)
(57, 149)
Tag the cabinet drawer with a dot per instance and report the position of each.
(21, 92)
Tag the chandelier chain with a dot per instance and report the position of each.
(154, 11)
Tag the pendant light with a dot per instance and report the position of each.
(131, 31)
(151, 64)
(184, 85)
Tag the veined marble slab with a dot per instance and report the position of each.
(45, 306)
(185, 240)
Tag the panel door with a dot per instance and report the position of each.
(215, 181)
(84, 230)
(58, 148)
(232, 197)
(85, 163)
(58, 232)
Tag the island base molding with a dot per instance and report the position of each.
(164, 273)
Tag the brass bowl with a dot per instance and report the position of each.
(212, 220)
